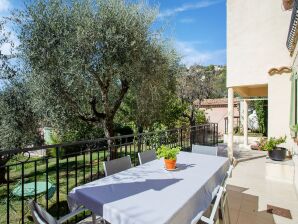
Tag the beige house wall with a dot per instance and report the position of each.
(256, 40)
(279, 96)
(217, 115)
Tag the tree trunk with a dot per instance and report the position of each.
(140, 137)
(192, 122)
(3, 161)
(108, 127)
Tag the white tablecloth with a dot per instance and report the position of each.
(148, 194)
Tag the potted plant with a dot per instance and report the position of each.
(170, 156)
(271, 145)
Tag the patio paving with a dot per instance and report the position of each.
(250, 196)
(241, 154)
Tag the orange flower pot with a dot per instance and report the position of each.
(170, 164)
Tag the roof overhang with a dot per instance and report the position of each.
(252, 91)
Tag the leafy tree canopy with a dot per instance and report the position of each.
(83, 57)
(196, 84)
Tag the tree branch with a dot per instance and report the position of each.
(123, 91)
(88, 118)
(97, 114)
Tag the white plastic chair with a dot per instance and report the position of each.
(41, 216)
(147, 156)
(224, 201)
(219, 202)
(202, 149)
(213, 217)
(117, 165)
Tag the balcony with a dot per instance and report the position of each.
(60, 168)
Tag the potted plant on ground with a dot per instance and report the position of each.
(170, 156)
(274, 151)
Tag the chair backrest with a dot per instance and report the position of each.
(147, 156)
(40, 215)
(117, 165)
(229, 172)
(202, 149)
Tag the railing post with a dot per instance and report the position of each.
(47, 184)
(67, 182)
(22, 179)
(57, 182)
(181, 143)
(7, 195)
(216, 134)
(35, 180)
(204, 135)
(90, 158)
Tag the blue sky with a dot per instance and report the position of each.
(196, 27)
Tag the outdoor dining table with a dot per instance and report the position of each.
(149, 194)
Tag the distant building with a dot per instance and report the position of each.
(216, 110)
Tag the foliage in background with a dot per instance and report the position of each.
(262, 113)
(194, 86)
(18, 123)
(201, 117)
(272, 143)
(167, 152)
(220, 89)
(143, 112)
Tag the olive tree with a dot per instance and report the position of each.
(82, 57)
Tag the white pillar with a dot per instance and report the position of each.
(245, 123)
(230, 122)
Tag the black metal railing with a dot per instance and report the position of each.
(49, 178)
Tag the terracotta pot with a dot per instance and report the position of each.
(170, 164)
(288, 4)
